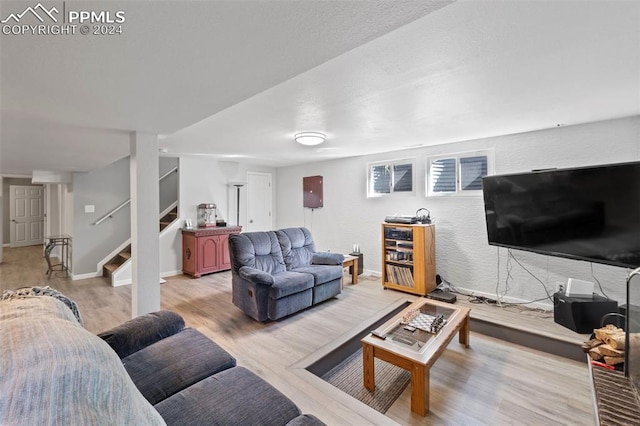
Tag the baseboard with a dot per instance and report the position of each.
(170, 273)
(75, 277)
(122, 282)
(506, 299)
(555, 346)
(129, 281)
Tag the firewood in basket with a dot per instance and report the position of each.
(607, 350)
(616, 340)
(603, 332)
(588, 345)
(594, 353)
(613, 360)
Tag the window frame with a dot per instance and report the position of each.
(391, 163)
(488, 153)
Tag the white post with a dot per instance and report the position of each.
(1, 219)
(145, 205)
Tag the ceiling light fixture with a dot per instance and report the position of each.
(310, 138)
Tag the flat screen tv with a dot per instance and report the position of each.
(588, 213)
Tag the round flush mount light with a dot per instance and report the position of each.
(310, 138)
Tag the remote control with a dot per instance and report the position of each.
(379, 335)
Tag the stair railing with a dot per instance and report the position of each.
(114, 211)
(111, 213)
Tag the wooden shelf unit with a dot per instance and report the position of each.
(409, 257)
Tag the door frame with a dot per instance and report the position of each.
(248, 196)
(12, 222)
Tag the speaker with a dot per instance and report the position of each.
(581, 314)
(579, 288)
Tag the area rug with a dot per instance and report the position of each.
(391, 381)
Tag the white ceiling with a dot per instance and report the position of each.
(236, 80)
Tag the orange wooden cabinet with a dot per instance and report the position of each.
(409, 257)
(206, 250)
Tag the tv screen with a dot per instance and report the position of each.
(589, 213)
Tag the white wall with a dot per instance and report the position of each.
(462, 254)
(205, 180)
(1, 222)
(105, 189)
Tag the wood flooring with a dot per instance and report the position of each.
(490, 383)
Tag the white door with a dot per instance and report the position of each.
(26, 216)
(259, 202)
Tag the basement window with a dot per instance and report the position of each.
(458, 174)
(390, 177)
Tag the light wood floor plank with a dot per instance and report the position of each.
(492, 382)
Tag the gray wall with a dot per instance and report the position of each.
(105, 188)
(6, 237)
(463, 256)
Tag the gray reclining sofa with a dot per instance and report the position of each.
(151, 370)
(278, 273)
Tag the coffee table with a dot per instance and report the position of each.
(414, 351)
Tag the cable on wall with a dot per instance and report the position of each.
(597, 281)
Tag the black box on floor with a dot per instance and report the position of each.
(443, 296)
(581, 314)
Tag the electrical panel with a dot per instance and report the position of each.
(312, 191)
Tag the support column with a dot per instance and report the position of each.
(1, 220)
(145, 240)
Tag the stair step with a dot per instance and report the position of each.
(111, 267)
(107, 270)
(125, 255)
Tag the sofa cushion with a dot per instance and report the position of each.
(326, 291)
(297, 246)
(327, 258)
(287, 283)
(34, 307)
(305, 420)
(291, 304)
(53, 371)
(256, 276)
(232, 397)
(142, 331)
(321, 273)
(258, 250)
(174, 363)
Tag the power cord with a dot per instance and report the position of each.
(599, 285)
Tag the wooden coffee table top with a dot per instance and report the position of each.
(420, 346)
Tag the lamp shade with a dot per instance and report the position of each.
(310, 138)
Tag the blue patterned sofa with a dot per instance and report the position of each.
(278, 273)
(151, 370)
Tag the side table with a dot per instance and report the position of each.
(51, 242)
(351, 262)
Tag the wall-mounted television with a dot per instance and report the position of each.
(588, 213)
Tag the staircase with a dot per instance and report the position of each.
(168, 219)
(125, 254)
(115, 262)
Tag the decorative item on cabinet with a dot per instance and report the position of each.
(207, 215)
(206, 250)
